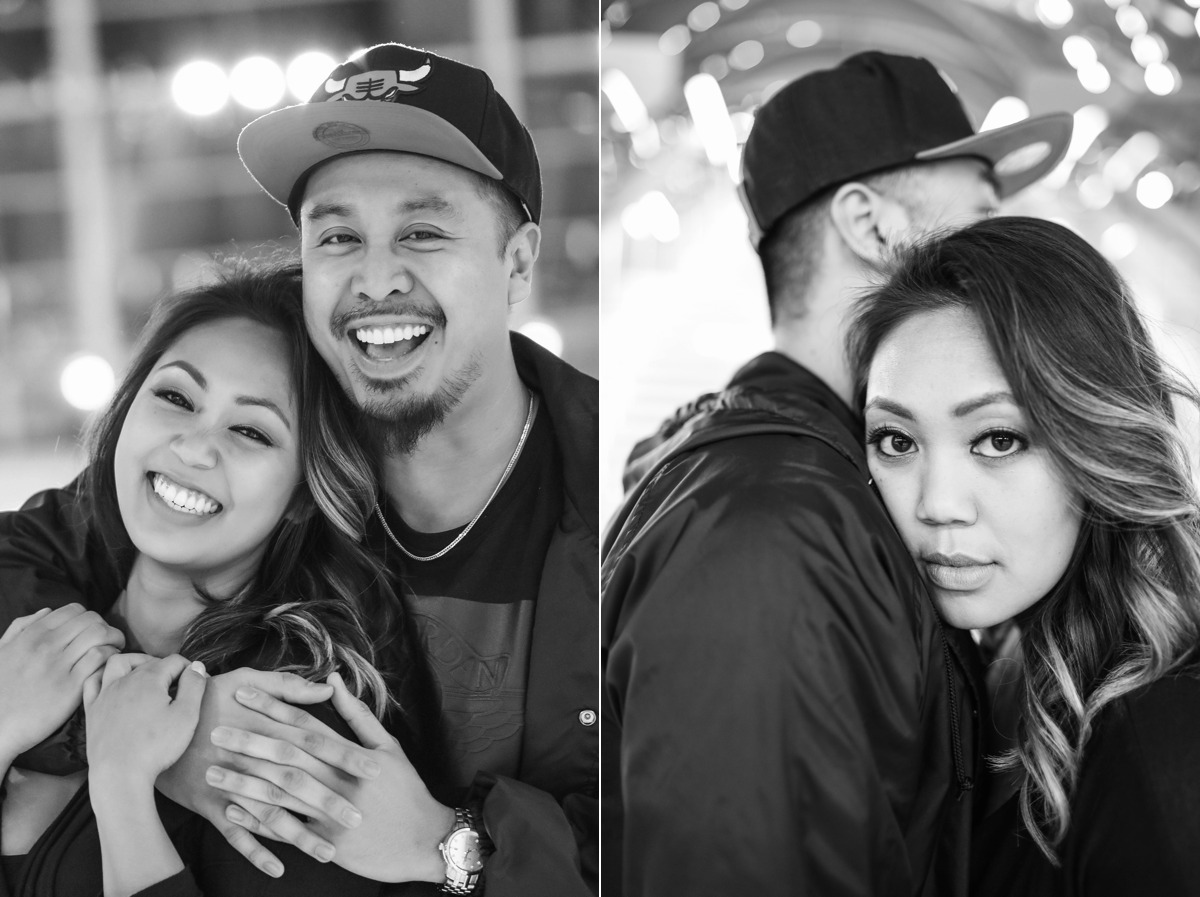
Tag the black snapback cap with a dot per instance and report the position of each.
(399, 98)
(873, 112)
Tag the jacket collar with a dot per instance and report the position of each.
(793, 383)
(571, 399)
(770, 394)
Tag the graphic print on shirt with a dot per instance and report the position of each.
(479, 655)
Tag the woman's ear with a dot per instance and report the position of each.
(872, 226)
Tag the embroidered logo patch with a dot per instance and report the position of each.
(380, 85)
(341, 135)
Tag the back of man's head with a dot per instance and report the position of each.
(877, 119)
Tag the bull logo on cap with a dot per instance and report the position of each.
(382, 85)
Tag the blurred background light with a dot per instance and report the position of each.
(1094, 77)
(544, 334)
(651, 216)
(1131, 21)
(1154, 189)
(1119, 241)
(1054, 13)
(803, 34)
(704, 16)
(746, 55)
(1162, 79)
(87, 382)
(257, 83)
(1005, 111)
(1078, 51)
(200, 88)
(707, 106)
(675, 40)
(305, 73)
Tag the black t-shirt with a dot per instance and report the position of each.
(474, 607)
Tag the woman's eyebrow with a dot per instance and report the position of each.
(991, 398)
(888, 405)
(260, 402)
(191, 370)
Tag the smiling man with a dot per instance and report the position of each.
(417, 193)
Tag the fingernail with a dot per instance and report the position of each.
(338, 677)
(352, 817)
(371, 768)
(198, 666)
(274, 869)
(235, 814)
(246, 693)
(220, 735)
(324, 852)
(214, 776)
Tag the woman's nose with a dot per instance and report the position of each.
(196, 448)
(947, 496)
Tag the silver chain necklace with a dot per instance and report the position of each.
(504, 476)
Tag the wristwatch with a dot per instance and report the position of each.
(464, 849)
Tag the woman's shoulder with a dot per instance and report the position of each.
(1160, 715)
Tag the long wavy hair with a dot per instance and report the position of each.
(1077, 356)
(317, 592)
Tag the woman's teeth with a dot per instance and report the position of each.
(181, 499)
(382, 336)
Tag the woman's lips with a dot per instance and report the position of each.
(958, 575)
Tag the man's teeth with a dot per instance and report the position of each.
(382, 336)
(182, 499)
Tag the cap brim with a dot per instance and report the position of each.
(1019, 153)
(279, 147)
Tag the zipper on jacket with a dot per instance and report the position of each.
(965, 782)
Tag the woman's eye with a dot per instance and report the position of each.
(892, 444)
(999, 444)
(252, 433)
(339, 239)
(175, 397)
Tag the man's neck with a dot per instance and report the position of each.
(817, 338)
(445, 481)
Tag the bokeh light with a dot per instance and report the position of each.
(200, 88)
(87, 382)
(257, 83)
(305, 73)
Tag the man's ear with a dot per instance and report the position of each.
(521, 253)
(872, 225)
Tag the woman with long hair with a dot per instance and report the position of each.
(1022, 432)
(228, 495)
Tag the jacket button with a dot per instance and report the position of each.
(587, 717)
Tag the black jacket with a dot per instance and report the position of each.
(776, 693)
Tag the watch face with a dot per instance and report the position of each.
(462, 849)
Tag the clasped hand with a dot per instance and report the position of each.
(45, 659)
(135, 727)
(365, 805)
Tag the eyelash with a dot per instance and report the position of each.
(876, 436)
(179, 400)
